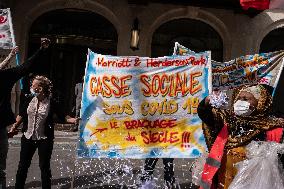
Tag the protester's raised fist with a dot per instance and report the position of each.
(14, 51)
(45, 43)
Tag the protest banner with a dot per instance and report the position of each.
(264, 68)
(140, 107)
(7, 39)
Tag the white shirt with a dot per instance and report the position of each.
(37, 113)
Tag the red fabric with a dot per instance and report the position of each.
(274, 135)
(256, 4)
(216, 153)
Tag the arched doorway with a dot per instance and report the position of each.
(194, 34)
(72, 32)
(274, 41)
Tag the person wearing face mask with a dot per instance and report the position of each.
(38, 128)
(8, 78)
(228, 131)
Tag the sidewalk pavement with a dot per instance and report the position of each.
(61, 137)
(68, 170)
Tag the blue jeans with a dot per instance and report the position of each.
(3, 156)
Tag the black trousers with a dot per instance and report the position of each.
(28, 148)
(149, 167)
(3, 156)
(281, 157)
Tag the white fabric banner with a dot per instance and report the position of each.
(7, 39)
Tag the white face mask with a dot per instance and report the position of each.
(33, 92)
(241, 108)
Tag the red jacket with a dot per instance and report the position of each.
(255, 4)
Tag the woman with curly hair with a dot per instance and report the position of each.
(37, 117)
(8, 78)
(229, 131)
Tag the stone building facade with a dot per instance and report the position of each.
(239, 33)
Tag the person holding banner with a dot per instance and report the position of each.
(5, 62)
(8, 77)
(227, 132)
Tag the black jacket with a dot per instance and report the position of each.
(55, 113)
(206, 115)
(8, 78)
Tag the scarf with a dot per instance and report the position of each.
(242, 129)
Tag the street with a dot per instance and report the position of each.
(89, 173)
